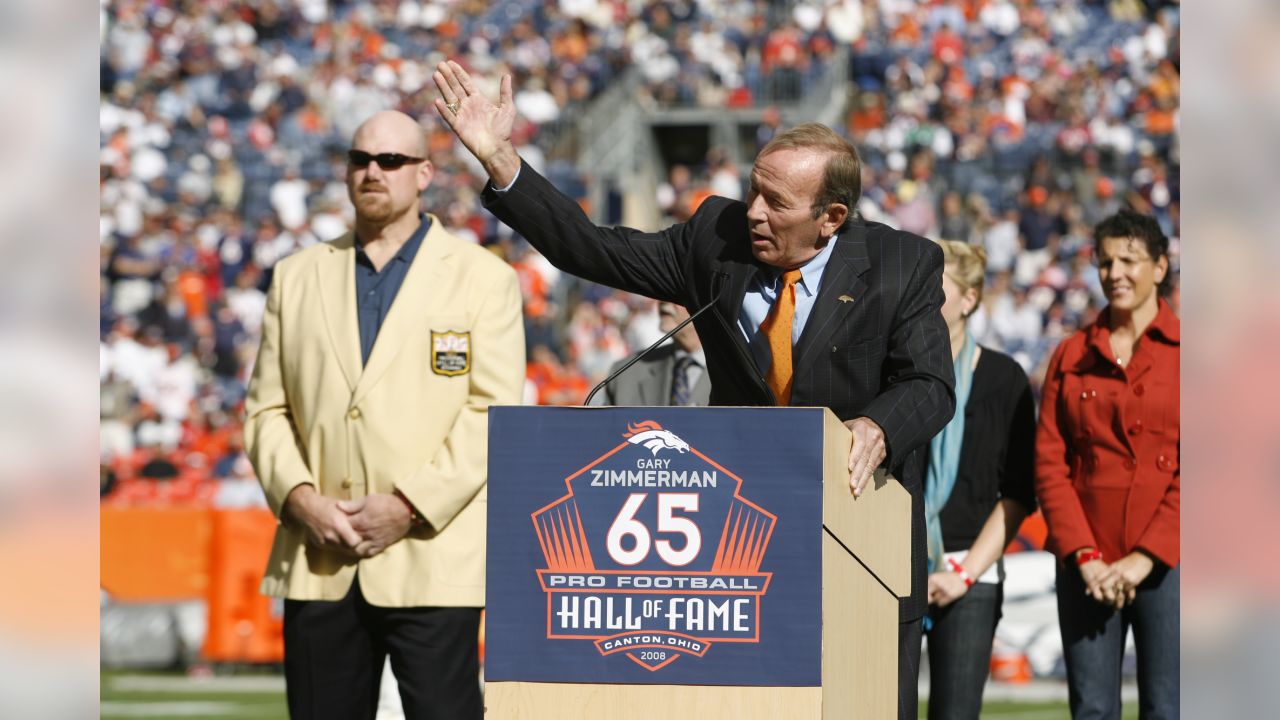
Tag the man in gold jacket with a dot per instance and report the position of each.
(367, 425)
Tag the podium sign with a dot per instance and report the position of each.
(669, 546)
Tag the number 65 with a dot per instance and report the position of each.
(626, 524)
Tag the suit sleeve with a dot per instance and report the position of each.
(919, 394)
(1069, 529)
(649, 264)
(449, 481)
(271, 441)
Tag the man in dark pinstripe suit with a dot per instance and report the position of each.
(868, 337)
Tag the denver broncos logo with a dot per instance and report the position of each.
(651, 435)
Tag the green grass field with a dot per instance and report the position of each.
(172, 696)
(1031, 711)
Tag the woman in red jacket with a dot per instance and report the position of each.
(1107, 451)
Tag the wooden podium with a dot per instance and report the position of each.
(838, 567)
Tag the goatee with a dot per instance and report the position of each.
(373, 207)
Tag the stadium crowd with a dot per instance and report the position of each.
(1012, 124)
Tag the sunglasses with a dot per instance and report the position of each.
(386, 161)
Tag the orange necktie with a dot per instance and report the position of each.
(777, 329)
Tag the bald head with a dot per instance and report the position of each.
(391, 131)
(387, 192)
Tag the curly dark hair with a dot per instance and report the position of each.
(1143, 228)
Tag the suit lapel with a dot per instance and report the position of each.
(406, 317)
(840, 294)
(733, 278)
(731, 281)
(336, 274)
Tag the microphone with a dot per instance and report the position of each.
(650, 349)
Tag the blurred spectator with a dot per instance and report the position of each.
(595, 343)
(247, 301)
(770, 125)
(914, 212)
(673, 195)
(169, 314)
(228, 183)
(135, 355)
(954, 224)
(725, 179)
(535, 104)
(173, 385)
(132, 272)
(1016, 322)
(116, 403)
(1003, 242)
(1036, 221)
(556, 383)
(783, 60)
(999, 17)
(289, 198)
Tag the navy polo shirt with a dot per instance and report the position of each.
(376, 290)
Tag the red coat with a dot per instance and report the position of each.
(1107, 446)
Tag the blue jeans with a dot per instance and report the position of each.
(1093, 646)
(960, 652)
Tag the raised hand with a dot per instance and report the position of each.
(483, 128)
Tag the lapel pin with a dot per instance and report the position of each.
(845, 298)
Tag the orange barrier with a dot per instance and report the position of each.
(180, 553)
(244, 626)
(155, 554)
(1031, 534)
(191, 553)
(1010, 666)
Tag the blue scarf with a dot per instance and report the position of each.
(944, 456)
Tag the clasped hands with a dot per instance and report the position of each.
(1116, 584)
(361, 528)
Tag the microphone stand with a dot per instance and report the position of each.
(649, 349)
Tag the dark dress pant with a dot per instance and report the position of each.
(908, 669)
(334, 653)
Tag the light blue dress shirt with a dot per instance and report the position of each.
(762, 292)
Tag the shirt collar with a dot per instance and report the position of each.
(1165, 328)
(1166, 325)
(811, 272)
(409, 249)
(699, 356)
